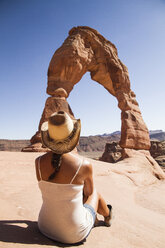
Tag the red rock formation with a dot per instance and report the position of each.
(52, 105)
(112, 153)
(87, 50)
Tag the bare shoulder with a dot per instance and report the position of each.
(87, 166)
(37, 160)
(45, 156)
(42, 157)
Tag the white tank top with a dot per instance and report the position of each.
(62, 216)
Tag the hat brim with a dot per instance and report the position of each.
(64, 145)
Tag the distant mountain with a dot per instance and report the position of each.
(155, 131)
(86, 143)
(110, 134)
(13, 145)
(157, 135)
(97, 142)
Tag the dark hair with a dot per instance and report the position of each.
(56, 162)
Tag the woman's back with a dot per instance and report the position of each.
(69, 165)
(66, 182)
(62, 216)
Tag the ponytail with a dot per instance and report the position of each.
(56, 163)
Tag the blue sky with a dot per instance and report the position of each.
(31, 31)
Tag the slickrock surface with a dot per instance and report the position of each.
(132, 188)
(87, 50)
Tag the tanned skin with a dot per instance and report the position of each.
(69, 165)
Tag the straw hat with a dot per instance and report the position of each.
(60, 133)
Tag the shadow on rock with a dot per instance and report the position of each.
(26, 232)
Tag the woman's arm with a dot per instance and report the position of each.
(88, 182)
(36, 167)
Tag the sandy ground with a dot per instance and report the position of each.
(139, 208)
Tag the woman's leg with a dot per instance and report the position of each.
(98, 203)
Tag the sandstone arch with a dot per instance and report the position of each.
(87, 50)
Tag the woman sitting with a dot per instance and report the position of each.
(70, 200)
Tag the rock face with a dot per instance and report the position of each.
(112, 153)
(53, 104)
(157, 148)
(87, 50)
(157, 151)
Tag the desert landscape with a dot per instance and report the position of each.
(100, 147)
(124, 163)
(136, 194)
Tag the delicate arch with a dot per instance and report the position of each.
(87, 50)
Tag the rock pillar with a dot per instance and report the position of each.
(53, 104)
